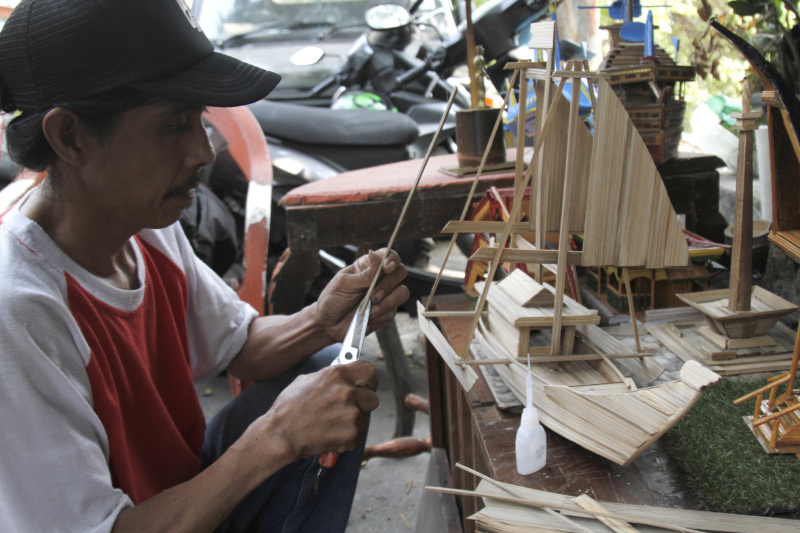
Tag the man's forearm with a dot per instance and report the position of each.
(277, 343)
(201, 503)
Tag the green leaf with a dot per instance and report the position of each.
(744, 8)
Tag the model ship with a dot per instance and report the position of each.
(607, 187)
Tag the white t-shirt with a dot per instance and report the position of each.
(97, 405)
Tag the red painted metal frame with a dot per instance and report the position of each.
(248, 148)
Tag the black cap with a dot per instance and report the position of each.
(55, 51)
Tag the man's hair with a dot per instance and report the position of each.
(100, 114)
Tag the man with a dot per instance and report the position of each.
(109, 316)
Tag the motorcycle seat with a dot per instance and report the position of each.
(339, 127)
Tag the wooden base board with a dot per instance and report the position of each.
(726, 343)
(685, 341)
(763, 434)
(464, 172)
(766, 309)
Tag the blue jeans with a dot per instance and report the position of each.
(287, 501)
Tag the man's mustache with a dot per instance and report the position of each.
(193, 181)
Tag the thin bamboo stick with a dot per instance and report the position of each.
(566, 203)
(471, 191)
(631, 308)
(595, 514)
(557, 358)
(501, 242)
(520, 495)
(411, 192)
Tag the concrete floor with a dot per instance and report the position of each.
(389, 490)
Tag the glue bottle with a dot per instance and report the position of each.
(531, 441)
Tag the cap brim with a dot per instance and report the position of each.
(217, 80)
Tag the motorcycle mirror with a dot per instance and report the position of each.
(307, 56)
(387, 17)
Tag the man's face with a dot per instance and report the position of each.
(144, 173)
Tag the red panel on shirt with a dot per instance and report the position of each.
(141, 380)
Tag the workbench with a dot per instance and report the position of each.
(476, 433)
(362, 207)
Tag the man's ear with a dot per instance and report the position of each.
(63, 130)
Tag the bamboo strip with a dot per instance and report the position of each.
(558, 358)
(631, 308)
(615, 525)
(543, 113)
(524, 291)
(571, 187)
(697, 376)
(517, 255)
(510, 489)
(684, 518)
(465, 375)
(481, 226)
(538, 317)
(543, 35)
(471, 194)
(402, 218)
(645, 370)
(484, 493)
(624, 432)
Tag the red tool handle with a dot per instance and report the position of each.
(328, 459)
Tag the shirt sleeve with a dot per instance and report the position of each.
(218, 321)
(53, 449)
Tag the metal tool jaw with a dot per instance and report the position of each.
(354, 340)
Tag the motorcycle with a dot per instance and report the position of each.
(308, 142)
(381, 104)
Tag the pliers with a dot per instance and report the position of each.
(350, 352)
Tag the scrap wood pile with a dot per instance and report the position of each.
(511, 508)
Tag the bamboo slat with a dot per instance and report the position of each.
(553, 167)
(629, 218)
(561, 421)
(625, 432)
(646, 370)
(690, 345)
(697, 376)
(482, 226)
(524, 291)
(542, 35)
(638, 514)
(465, 375)
(617, 526)
(666, 398)
(520, 255)
(538, 317)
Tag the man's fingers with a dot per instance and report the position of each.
(366, 400)
(389, 303)
(359, 373)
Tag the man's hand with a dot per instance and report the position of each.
(337, 303)
(320, 412)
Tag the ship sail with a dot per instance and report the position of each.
(630, 220)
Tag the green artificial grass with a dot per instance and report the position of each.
(724, 465)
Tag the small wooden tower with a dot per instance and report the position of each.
(651, 89)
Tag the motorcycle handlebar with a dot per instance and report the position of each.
(321, 86)
(411, 75)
